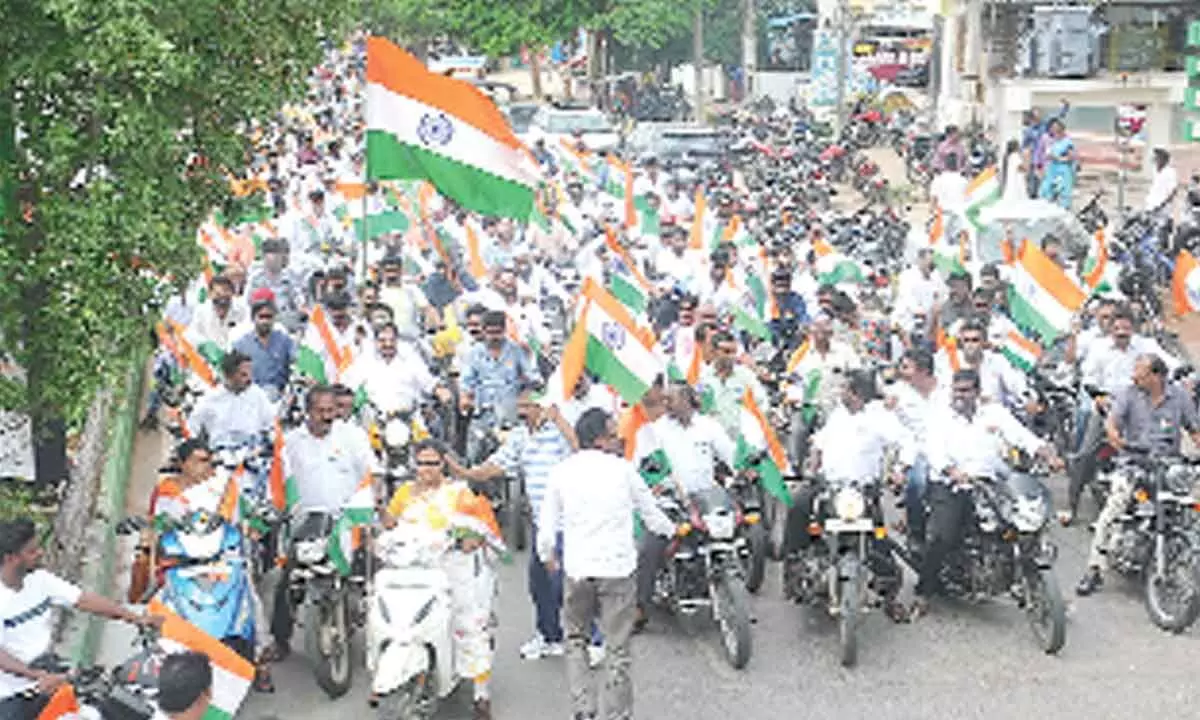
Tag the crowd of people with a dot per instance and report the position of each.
(328, 308)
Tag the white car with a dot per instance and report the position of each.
(552, 123)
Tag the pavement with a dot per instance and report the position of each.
(960, 661)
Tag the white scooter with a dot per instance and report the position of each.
(410, 639)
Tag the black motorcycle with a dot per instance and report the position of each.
(1156, 538)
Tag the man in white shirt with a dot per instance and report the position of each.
(966, 441)
(914, 400)
(948, 191)
(395, 377)
(239, 412)
(1109, 368)
(849, 448)
(28, 596)
(1160, 201)
(215, 319)
(592, 497)
(327, 460)
(691, 443)
(919, 289)
(999, 380)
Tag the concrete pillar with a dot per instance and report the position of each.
(1158, 133)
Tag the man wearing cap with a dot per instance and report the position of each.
(271, 351)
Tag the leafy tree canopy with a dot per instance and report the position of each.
(110, 100)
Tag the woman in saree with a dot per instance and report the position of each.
(463, 524)
(1062, 160)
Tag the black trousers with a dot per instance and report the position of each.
(796, 537)
(949, 513)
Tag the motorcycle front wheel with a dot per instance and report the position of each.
(414, 701)
(848, 614)
(1046, 610)
(756, 564)
(1173, 596)
(327, 642)
(733, 618)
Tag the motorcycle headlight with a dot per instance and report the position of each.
(720, 524)
(849, 504)
(310, 552)
(1029, 514)
(396, 433)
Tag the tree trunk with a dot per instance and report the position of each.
(535, 73)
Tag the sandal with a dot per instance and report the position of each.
(262, 680)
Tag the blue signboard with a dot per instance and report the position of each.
(823, 76)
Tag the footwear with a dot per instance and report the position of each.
(1091, 582)
(538, 648)
(595, 655)
(277, 652)
(262, 680)
(1065, 518)
(639, 623)
(483, 710)
(919, 609)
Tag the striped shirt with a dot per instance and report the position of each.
(533, 453)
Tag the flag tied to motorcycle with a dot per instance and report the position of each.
(359, 510)
(232, 673)
(422, 125)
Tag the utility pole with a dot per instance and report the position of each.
(973, 52)
(698, 65)
(749, 47)
(842, 21)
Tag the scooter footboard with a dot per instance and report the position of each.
(397, 664)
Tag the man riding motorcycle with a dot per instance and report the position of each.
(494, 370)
(726, 381)
(235, 413)
(28, 595)
(1150, 414)
(326, 460)
(691, 443)
(850, 447)
(962, 445)
(914, 399)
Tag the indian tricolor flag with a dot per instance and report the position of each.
(281, 486)
(982, 192)
(1041, 297)
(1185, 286)
(232, 673)
(702, 219)
(1022, 352)
(759, 449)
(833, 267)
(607, 341)
(359, 510)
(949, 255)
(319, 355)
(63, 704)
(436, 128)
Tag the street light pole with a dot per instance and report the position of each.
(842, 32)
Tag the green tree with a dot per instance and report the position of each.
(109, 101)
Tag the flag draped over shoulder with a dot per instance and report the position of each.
(423, 125)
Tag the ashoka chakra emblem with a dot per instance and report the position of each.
(435, 129)
(613, 335)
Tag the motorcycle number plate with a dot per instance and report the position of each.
(835, 525)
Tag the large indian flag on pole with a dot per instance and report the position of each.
(427, 126)
(232, 673)
(1041, 297)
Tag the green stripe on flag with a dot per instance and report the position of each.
(769, 475)
(382, 224)
(310, 364)
(629, 294)
(606, 366)
(748, 322)
(1027, 317)
(472, 188)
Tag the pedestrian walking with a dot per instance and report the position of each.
(592, 496)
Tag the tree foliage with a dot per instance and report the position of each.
(110, 100)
